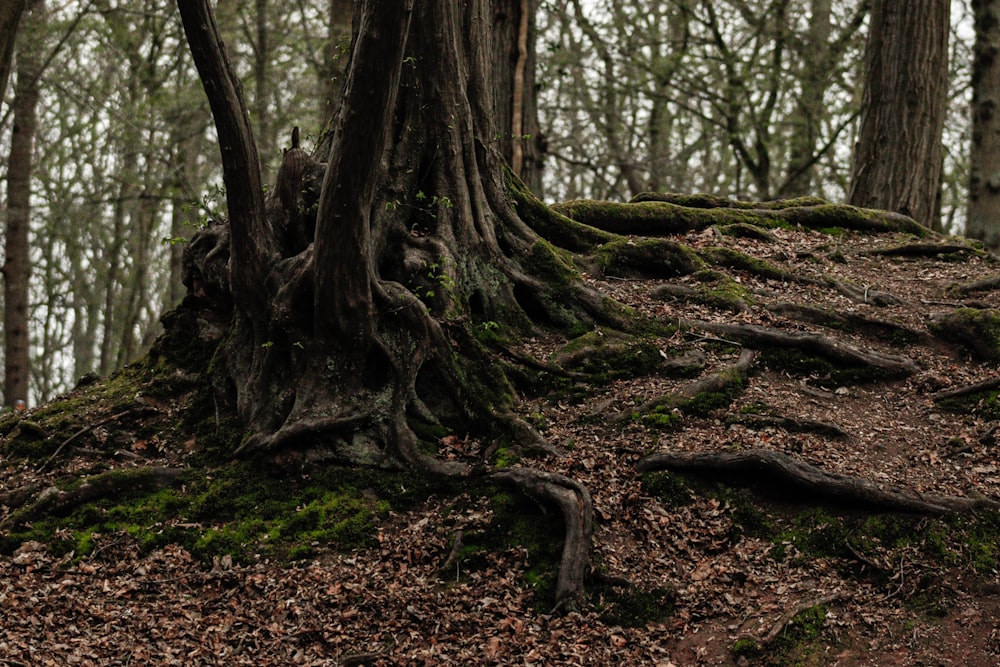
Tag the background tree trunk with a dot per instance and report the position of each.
(983, 221)
(17, 259)
(898, 157)
(814, 73)
(336, 52)
(521, 143)
(10, 19)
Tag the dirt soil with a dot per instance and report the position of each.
(392, 604)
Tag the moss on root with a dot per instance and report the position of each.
(653, 258)
(609, 354)
(240, 510)
(974, 329)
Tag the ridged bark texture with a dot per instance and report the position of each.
(898, 157)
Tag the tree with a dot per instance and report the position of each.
(983, 220)
(898, 156)
(17, 262)
(369, 295)
(354, 345)
(10, 18)
(521, 143)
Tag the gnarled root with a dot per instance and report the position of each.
(784, 472)
(573, 500)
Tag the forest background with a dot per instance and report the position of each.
(751, 101)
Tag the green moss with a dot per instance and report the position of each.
(985, 404)
(519, 522)
(654, 258)
(238, 510)
(747, 648)
(707, 402)
(756, 408)
(977, 330)
(609, 354)
(661, 417)
(635, 607)
(671, 489)
(550, 223)
(739, 261)
(551, 264)
(504, 457)
(743, 230)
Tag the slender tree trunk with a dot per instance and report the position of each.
(514, 38)
(340, 15)
(113, 251)
(984, 161)
(262, 91)
(17, 260)
(10, 19)
(253, 243)
(898, 156)
(814, 77)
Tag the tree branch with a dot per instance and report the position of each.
(252, 243)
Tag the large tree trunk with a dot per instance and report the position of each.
(349, 345)
(17, 261)
(349, 341)
(984, 182)
(898, 157)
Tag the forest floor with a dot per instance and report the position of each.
(720, 574)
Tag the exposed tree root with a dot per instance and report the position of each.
(723, 382)
(985, 285)
(973, 329)
(782, 472)
(653, 214)
(573, 501)
(826, 317)
(968, 390)
(779, 626)
(18, 497)
(812, 343)
(58, 501)
(702, 200)
(688, 293)
(922, 250)
(864, 294)
(791, 424)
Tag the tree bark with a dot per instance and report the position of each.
(983, 221)
(521, 143)
(356, 346)
(898, 157)
(17, 261)
(263, 86)
(10, 19)
(343, 270)
(252, 241)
